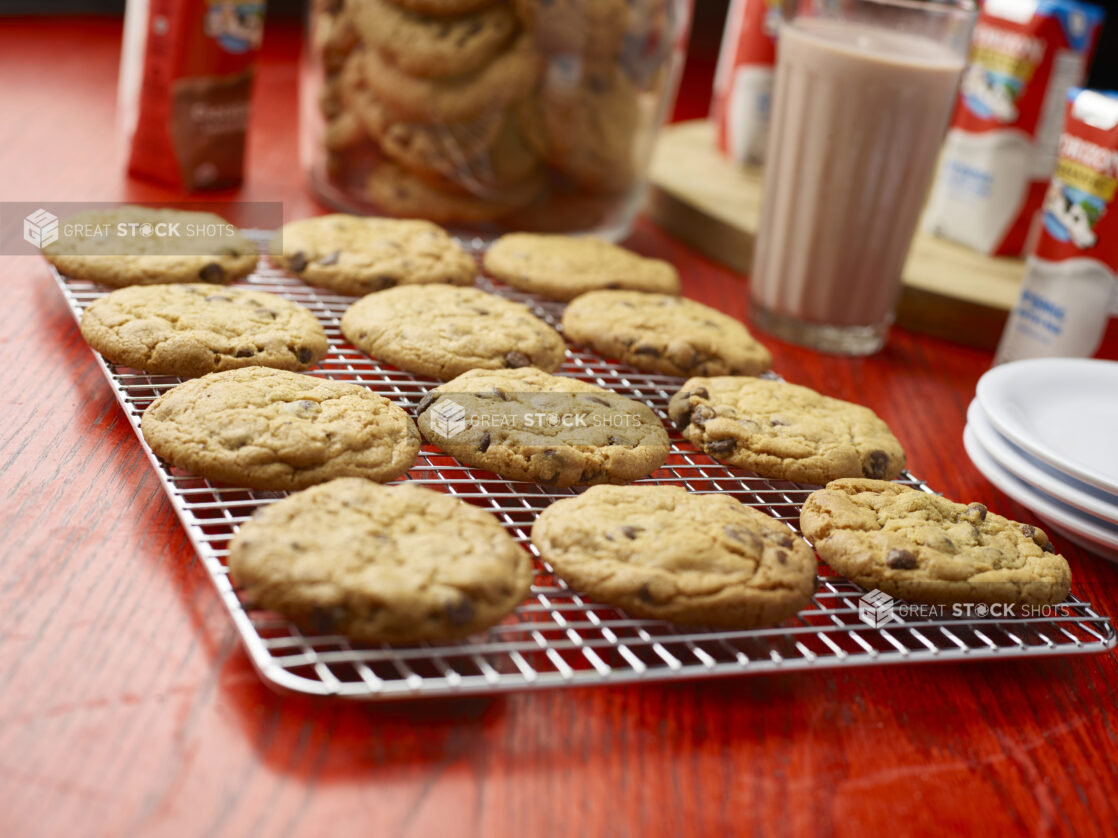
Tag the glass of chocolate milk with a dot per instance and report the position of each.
(863, 93)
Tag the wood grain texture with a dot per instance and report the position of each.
(128, 708)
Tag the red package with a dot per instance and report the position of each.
(185, 82)
(744, 77)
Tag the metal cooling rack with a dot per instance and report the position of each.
(557, 637)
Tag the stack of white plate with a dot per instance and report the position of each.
(1045, 432)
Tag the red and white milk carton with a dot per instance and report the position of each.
(185, 80)
(1069, 286)
(1001, 147)
(743, 81)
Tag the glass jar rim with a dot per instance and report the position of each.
(930, 6)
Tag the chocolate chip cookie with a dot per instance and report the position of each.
(193, 329)
(443, 8)
(562, 267)
(664, 333)
(576, 27)
(785, 431)
(926, 548)
(141, 246)
(401, 193)
(524, 424)
(399, 564)
(442, 331)
(421, 46)
(505, 79)
(425, 147)
(585, 121)
(272, 429)
(663, 553)
(356, 256)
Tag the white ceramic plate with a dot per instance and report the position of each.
(1039, 475)
(1062, 410)
(1096, 537)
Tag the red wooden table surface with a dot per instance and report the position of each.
(128, 707)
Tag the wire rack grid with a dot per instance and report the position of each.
(558, 637)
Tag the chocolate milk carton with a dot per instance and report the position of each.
(743, 81)
(185, 82)
(1001, 147)
(1069, 285)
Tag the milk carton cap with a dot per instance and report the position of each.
(1098, 108)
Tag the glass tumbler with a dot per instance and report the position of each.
(862, 96)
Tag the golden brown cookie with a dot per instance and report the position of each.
(586, 122)
(380, 564)
(271, 429)
(192, 330)
(784, 431)
(524, 424)
(505, 79)
(354, 255)
(663, 553)
(433, 47)
(134, 245)
(925, 548)
(664, 333)
(443, 331)
(562, 267)
(400, 193)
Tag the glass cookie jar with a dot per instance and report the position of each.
(489, 115)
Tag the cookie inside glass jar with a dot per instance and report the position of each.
(489, 115)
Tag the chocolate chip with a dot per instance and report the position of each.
(245, 352)
(1048, 548)
(425, 403)
(782, 557)
(387, 282)
(631, 532)
(330, 258)
(325, 620)
(459, 613)
(901, 560)
(700, 392)
(297, 261)
(483, 445)
(645, 349)
(305, 355)
(682, 420)
(975, 513)
(613, 440)
(598, 400)
(1028, 530)
(306, 404)
(700, 414)
(515, 360)
(212, 272)
(644, 594)
(721, 446)
(876, 465)
(266, 312)
(744, 536)
(784, 540)
(776, 421)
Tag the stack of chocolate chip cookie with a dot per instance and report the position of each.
(470, 111)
